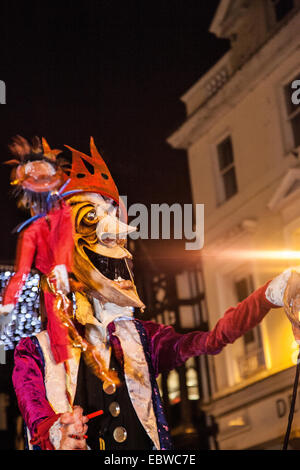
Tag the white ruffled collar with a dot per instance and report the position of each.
(96, 325)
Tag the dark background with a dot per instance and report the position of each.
(114, 70)
(111, 69)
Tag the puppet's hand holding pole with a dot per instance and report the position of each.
(291, 301)
(59, 276)
(284, 291)
(72, 431)
(276, 289)
(5, 315)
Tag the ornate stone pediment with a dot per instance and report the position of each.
(287, 191)
(227, 15)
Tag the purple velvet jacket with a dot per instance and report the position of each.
(167, 349)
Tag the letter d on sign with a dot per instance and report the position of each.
(280, 407)
(2, 92)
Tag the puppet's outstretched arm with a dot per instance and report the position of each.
(170, 349)
(26, 248)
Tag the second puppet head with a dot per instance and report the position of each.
(37, 174)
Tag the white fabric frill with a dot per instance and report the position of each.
(276, 288)
(55, 434)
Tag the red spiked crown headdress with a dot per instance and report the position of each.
(90, 174)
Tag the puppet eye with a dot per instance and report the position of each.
(90, 218)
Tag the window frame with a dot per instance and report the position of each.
(292, 113)
(219, 173)
(255, 345)
(235, 357)
(289, 143)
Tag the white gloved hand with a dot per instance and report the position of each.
(276, 288)
(55, 434)
(5, 315)
(61, 277)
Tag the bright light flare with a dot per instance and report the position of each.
(255, 254)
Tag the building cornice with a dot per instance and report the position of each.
(260, 65)
(191, 94)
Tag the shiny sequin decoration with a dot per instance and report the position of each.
(120, 434)
(114, 409)
(109, 388)
(25, 320)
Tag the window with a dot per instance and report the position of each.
(253, 359)
(169, 317)
(173, 384)
(244, 287)
(293, 111)
(192, 379)
(192, 306)
(227, 169)
(282, 8)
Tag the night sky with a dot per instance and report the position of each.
(111, 69)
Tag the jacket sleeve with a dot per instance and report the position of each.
(61, 237)
(170, 349)
(28, 382)
(26, 248)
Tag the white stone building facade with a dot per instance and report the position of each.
(242, 137)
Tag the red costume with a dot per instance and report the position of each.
(48, 242)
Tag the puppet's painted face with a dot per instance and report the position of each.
(38, 176)
(100, 257)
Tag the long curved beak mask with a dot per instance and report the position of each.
(101, 261)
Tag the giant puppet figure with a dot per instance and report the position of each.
(93, 354)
